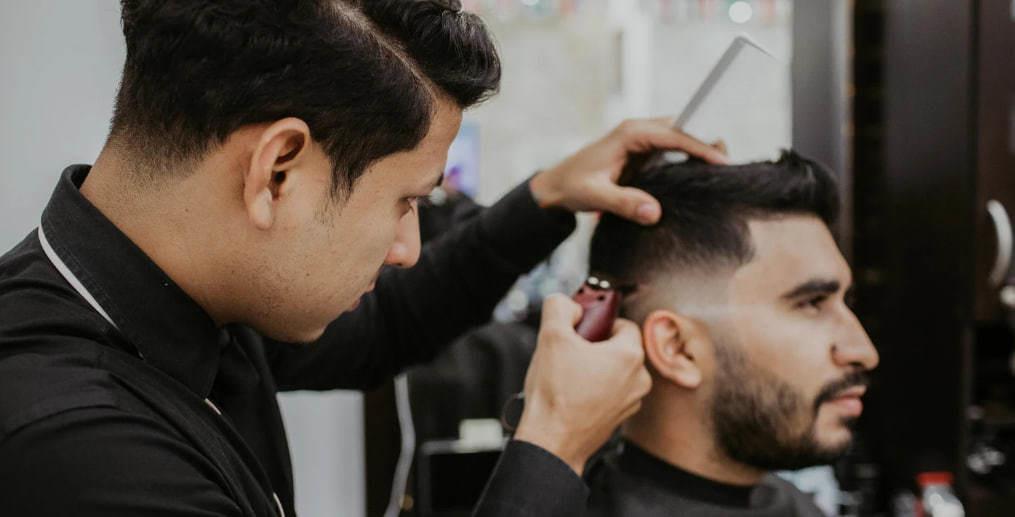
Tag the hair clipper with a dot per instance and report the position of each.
(600, 301)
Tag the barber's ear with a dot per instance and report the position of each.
(673, 347)
(281, 147)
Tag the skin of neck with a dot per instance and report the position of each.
(187, 224)
(673, 425)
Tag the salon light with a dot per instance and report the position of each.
(741, 11)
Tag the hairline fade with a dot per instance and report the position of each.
(705, 214)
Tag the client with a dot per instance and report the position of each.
(758, 363)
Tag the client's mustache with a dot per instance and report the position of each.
(834, 388)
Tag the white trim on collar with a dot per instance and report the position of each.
(68, 275)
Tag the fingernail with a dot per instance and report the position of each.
(647, 212)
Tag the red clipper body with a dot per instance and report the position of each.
(600, 303)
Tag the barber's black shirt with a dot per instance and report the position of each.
(630, 482)
(161, 412)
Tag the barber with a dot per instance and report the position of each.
(264, 163)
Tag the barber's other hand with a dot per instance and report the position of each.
(587, 180)
(577, 393)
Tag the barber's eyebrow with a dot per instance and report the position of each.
(431, 185)
(813, 287)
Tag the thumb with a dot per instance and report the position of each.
(559, 310)
(628, 202)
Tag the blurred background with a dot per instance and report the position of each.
(911, 102)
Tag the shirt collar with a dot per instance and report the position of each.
(169, 329)
(638, 462)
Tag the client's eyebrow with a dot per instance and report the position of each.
(813, 287)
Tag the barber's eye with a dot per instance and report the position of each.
(414, 202)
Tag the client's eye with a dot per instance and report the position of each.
(813, 303)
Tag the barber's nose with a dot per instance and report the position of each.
(855, 346)
(405, 250)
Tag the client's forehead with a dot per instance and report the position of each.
(789, 250)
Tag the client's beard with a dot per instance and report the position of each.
(761, 421)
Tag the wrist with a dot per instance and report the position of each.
(553, 439)
(544, 189)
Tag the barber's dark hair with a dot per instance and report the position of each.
(705, 210)
(365, 75)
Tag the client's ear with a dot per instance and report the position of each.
(673, 346)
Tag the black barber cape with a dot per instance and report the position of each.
(630, 482)
(158, 412)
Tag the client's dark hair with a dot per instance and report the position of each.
(705, 209)
(364, 75)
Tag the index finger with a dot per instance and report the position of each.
(659, 134)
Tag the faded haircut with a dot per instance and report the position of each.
(705, 211)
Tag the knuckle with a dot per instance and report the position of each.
(633, 354)
(553, 300)
(644, 381)
(630, 206)
(554, 306)
(551, 333)
(627, 127)
(635, 407)
(547, 332)
(625, 325)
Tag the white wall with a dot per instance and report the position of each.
(59, 67)
(326, 440)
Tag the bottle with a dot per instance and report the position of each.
(937, 499)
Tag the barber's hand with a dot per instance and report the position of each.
(577, 393)
(587, 181)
